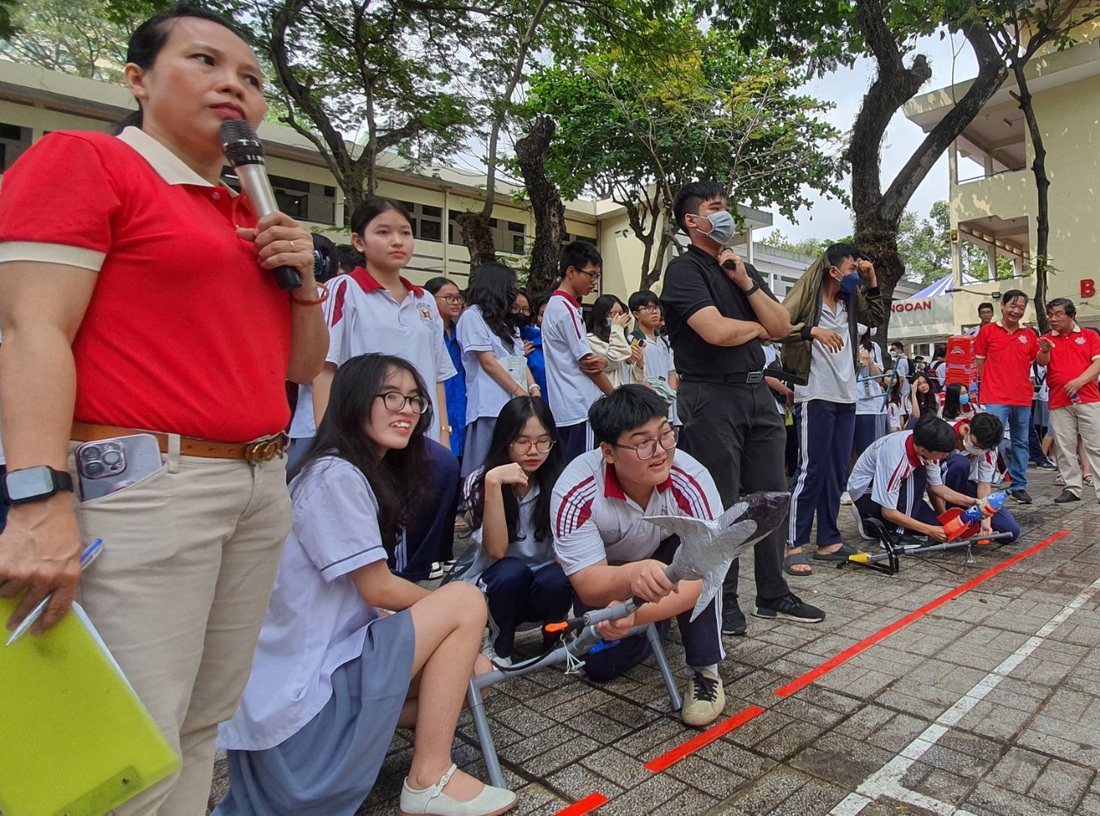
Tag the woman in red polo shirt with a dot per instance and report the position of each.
(137, 295)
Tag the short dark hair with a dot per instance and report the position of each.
(348, 257)
(988, 430)
(934, 434)
(692, 195)
(578, 254)
(985, 305)
(624, 409)
(149, 38)
(836, 253)
(643, 298)
(1012, 294)
(898, 344)
(373, 206)
(1065, 303)
(434, 285)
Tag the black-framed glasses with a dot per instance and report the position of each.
(542, 445)
(648, 448)
(593, 276)
(452, 298)
(650, 307)
(396, 401)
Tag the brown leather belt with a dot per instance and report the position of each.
(259, 450)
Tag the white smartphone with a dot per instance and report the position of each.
(110, 465)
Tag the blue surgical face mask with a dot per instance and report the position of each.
(964, 398)
(610, 322)
(721, 226)
(849, 283)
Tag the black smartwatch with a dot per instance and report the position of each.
(34, 484)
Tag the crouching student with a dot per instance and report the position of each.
(970, 469)
(610, 553)
(892, 476)
(333, 675)
(508, 502)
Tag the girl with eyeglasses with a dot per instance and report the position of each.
(334, 675)
(450, 302)
(509, 509)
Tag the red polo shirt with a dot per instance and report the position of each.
(185, 332)
(1071, 355)
(1006, 375)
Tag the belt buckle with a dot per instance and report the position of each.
(754, 377)
(266, 449)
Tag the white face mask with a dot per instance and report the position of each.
(972, 449)
(721, 226)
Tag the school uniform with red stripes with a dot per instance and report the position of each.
(595, 522)
(891, 474)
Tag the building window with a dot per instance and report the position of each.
(301, 200)
(509, 237)
(13, 141)
(427, 221)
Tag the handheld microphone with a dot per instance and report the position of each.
(245, 152)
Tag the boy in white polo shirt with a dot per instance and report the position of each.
(610, 553)
(574, 374)
(892, 476)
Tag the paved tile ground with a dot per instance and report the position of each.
(988, 704)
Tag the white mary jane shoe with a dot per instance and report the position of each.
(432, 800)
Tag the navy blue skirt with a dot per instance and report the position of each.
(329, 767)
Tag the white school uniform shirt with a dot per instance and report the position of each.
(316, 620)
(660, 362)
(484, 396)
(893, 412)
(832, 373)
(593, 520)
(901, 369)
(564, 343)
(770, 356)
(532, 552)
(871, 400)
(883, 468)
(363, 317)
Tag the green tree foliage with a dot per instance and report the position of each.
(811, 247)
(68, 36)
(635, 126)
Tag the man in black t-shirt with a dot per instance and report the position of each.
(717, 310)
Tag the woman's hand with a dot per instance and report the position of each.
(622, 320)
(510, 473)
(616, 629)
(40, 552)
(282, 241)
(528, 348)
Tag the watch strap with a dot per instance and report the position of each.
(60, 480)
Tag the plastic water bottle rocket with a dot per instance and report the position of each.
(958, 521)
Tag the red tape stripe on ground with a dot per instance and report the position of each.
(585, 805)
(706, 738)
(801, 682)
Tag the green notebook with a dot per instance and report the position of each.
(74, 738)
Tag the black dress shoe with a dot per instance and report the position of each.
(733, 619)
(1066, 496)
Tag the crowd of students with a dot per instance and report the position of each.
(419, 410)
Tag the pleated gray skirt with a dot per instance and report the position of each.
(329, 767)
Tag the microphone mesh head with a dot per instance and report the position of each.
(240, 142)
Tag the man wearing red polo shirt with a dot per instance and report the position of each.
(1072, 358)
(1005, 350)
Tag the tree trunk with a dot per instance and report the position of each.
(879, 239)
(546, 204)
(653, 274)
(478, 237)
(1042, 192)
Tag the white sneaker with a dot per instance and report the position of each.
(859, 523)
(845, 498)
(704, 699)
(494, 658)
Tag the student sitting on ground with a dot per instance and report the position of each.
(971, 468)
(611, 554)
(891, 477)
(333, 674)
(508, 502)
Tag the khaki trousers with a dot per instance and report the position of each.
(179, 593)
(1069, 422)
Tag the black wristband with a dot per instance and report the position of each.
(755, 288)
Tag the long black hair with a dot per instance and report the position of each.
(493, 290)
(149, 38)
(434, 285)
(399, 479)
(373, 206)
(929, 403)
(952, 407)
(600, 310)
(513, 417)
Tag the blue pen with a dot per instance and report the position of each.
(86, 558)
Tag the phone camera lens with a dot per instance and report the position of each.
(91, 452)
(94, 469)
(111, 457)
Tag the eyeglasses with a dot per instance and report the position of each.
(649, 308)
(648, 449)
(520, 310)
(593, 276)
(396, 402)
(523, 444)
(452, 298)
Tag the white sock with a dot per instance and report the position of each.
(712, 668)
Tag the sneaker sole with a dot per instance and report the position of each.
(772, 614)
(735, 632)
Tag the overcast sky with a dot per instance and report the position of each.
(831, 220)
